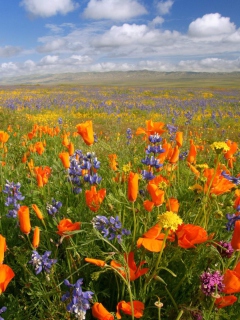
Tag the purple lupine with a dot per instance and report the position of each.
(211, 282)
(232, 218)
(13, 196)
(53, 208)
(3, 309)
(80, 300)
(225, 249)
(129, 135)
(152, 162)
(235, 180)
(42, 263)
(147, 175)
(110, 228)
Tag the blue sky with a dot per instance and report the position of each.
(56, 36)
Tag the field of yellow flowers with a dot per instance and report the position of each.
(119, 203)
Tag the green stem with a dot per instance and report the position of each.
(172, 299)
(210, 309)
(237, 259)
(179, 315)
(134, 226)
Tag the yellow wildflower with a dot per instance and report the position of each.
(170, 220)
(220, 146)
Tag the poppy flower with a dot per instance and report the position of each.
(172, 205)
(133, 271)
(151, 128)
(148, 205)
(70, 147)
(64, 156)
(39, 147)
(179, 138)
(37, 211)
(112, 161)
(42, 175)
(235, 242)
(86, 132)
(231, 281)
(66, 225)
(94, 198)
(100, 312)
(189, 234)
(4, 136)
(166, 146)
(175, 156)
(225, 301)
(156, 194)
(65, 140)
(229, 154)
(97, 262)
(132, 187)
(24, 219)
(3, 248)
(6, 275)
(36, 237)
(125, 307)
(152, 240)
(217, 183)
(191, 158)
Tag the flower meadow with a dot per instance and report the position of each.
(119, 203)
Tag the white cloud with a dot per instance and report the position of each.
(48, 8)
(113, 9)
(9, 51)
(212, 24)
(156, 21)
(164, 7)
(48, 60)
(52, 45)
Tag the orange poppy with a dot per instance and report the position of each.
(193, 169)
(179, 138)
(172, 205)
(112, 161)
(225, 301)
(231, 280)
(167, 149)
(189, 234)
(152, 128)
(229, 154)
(64, 156)
(70, 147)
(100, 312)
(24, 219)
(132, 187)
(4, 136)
(148, 205)
(37, 211)
(219, 184)
(133, 271)
(94, 198)
(97, 262)
(42, 175)
(235, 242)
(156, 194)
(66, 225)
(3, 248)
(6, 275)
(191, 158)
(36, 237)
(152, 240)
(125, 307)
(39, 147)
(86, 132)
(65, 140)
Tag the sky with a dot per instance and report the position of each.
(58, 36)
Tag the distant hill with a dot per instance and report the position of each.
(134, 78)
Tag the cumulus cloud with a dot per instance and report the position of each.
(9, 51)
(46, 8)
(164, 7)
(212, 24)
(156, 21)
(52, 45)
(113, 9)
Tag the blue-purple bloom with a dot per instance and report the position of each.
(211, 282)
(3, 309)
(129, 135)
(80, 300)
(147, 175)
(152, 162)
(13, 196)
(235, 180)
(110, 228)
(42, 263)
(232, 218)
(53, 208)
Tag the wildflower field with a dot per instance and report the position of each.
(119, 203)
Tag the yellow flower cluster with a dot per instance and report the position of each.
(170, 220)
(220, 146)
